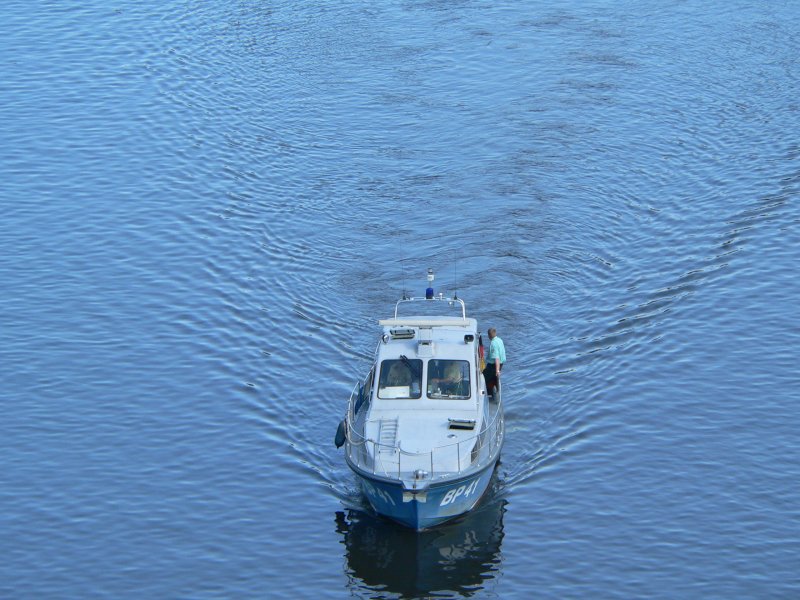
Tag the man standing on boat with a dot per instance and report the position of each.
(494, 361)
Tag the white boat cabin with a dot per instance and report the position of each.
(427, 396)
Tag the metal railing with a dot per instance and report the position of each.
(481, 446)
(450, 301)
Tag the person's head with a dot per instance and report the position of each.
(492, 332)
(399, 374)
(452, 372)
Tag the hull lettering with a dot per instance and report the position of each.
(454, 494)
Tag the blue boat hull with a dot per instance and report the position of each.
(428, 507)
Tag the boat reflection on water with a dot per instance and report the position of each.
(460, 556)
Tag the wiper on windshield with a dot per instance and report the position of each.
(412, 367)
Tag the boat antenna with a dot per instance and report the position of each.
(403, 270)
(455, 269)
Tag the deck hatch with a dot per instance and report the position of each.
(402, 333)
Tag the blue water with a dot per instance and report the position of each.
(207, 206)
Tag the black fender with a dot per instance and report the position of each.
(341, 434)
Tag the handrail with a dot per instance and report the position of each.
(355, 438)
(488, 425)
(434, 299)
(363, 440)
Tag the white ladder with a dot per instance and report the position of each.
(387, 436)
(387, 456)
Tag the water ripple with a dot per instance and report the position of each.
(206, 208)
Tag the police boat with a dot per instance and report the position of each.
(421, 433)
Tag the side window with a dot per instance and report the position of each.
(400, 378)
(448, 379)
(365, 393)
(368, 385)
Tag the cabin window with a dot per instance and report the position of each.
(400, 378)
(448, 379)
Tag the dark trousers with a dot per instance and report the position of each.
(490, 376)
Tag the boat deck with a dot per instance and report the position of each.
(396, 446)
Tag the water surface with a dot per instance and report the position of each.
(207, 206)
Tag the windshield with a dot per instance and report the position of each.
(400, 378)
(448, 379)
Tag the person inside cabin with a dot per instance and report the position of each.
(400, 378)
(399, 374)
(452, 382)
(494, 361)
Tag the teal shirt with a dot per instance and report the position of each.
(496, 350)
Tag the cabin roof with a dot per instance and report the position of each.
(449, 322)
(433, 337)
